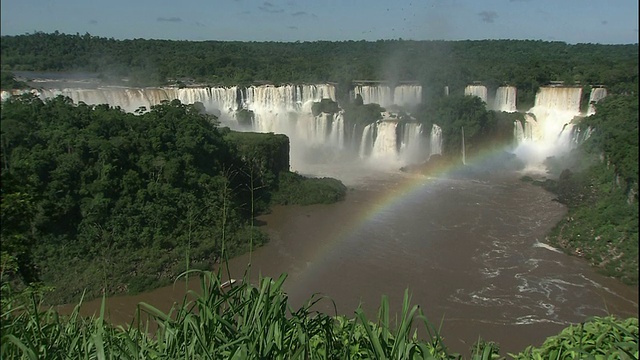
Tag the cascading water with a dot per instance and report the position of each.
(318, 133)
(435, 140)
(579, 136)
(477, 90)
(411, 147)
(385, 144)
(597, 94)
(518, 132)
(407, 95)
(554, 109)
(505, 99)
(366, 142)
(287, 109)
(336, 136)
(279, 109)
(378, 94)
(464, 150)
(131, 99)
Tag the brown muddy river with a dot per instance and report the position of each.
(471, 252)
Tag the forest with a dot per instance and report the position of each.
(91, 192)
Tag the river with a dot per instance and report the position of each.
(471, 252)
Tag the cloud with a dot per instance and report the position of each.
(170, 19)
(304, 13)
(488, 16)
(270, 8)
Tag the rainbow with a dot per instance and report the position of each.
(408, 186)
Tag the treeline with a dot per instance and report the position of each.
(96, 198)
(435, 64)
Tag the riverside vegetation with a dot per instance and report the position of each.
(97, 199)
(126, 196)
(598, 182)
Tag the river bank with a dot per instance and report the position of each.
(471, 253)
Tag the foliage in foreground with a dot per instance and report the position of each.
(244, 322)
(598, 338)
(247, 321)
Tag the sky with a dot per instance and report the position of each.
(571, 21)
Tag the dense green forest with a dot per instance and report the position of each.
(434, 64)
(95, 197)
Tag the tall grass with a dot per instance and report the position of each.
(245, 321)
(256, 321)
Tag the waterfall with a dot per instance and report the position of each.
(366, 143)
(336, 136)
(282, 109)
(597, 94)
(220, 98)
(559, 98)
(379, 94)
(505, 99)
(555, 107)
(385, 144)
(529, 128)
(580, 136)
(275, 107)
(318, 131)
(286, 109)
(518, 132)
(407, 95)
(464, 151)
(435, 140)
(130, 99)
(411, 145)
(477, 90)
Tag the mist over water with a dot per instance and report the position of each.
(549, 128)
(470, 250)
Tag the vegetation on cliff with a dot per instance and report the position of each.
(96, 198)
(598, 181)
